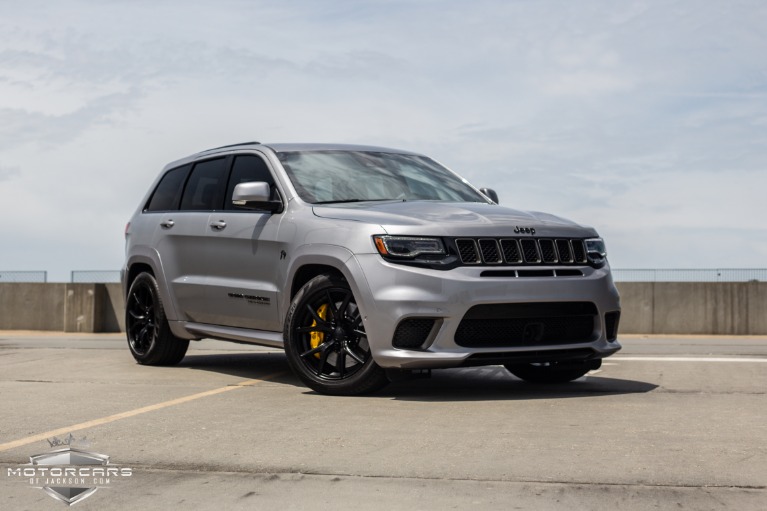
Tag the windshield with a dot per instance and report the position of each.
(323, 177)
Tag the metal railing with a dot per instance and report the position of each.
(690, 275)
(619, 275)
(23, 276)
(95, 276)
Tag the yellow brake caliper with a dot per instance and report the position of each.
(317, 338)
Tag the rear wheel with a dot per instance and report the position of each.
(552, 372)
(149, 337)
(325, 340)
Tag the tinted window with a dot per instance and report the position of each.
(246, 169)
(204, 188)
(168, 192)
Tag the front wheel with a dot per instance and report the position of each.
(149, 337)
(552, 372)
(325, 340)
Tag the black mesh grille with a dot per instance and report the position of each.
(511, 252)
(525, 251)
(565, 254)
(412, 333)
(530, 251)
(468, 251)
(489, 249)
(548, 254)
(529, 324)
(579, 251)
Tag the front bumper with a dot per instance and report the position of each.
(390, 293)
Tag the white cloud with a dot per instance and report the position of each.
(645, 119)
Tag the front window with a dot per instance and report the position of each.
(324, 177)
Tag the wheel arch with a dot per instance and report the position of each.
(316, 259)
(149, 263)
(133, 271)
(307, 272)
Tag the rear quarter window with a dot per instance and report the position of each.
(167, 195)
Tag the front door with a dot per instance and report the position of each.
(244, 252)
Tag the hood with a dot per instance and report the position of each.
(451, 219)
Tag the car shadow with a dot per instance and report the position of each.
(489, 383)
(252, 366)
(459, 384)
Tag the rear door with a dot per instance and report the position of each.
(181, 240)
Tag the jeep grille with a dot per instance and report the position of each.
(521, 251)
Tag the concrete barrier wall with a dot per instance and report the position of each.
(707, 308)
(61, 307)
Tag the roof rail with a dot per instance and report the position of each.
(230, 145)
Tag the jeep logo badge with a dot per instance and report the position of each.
(523, 230)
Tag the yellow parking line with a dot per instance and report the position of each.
(132, 413)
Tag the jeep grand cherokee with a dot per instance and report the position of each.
(361, 262)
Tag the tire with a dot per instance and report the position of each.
(325, 340)
(552, 372)
(149, 337)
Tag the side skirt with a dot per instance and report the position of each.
(241, 335)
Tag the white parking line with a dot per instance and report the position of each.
(690, 359)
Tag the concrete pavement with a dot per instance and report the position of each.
(669, 422)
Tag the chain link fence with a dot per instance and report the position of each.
(690, 275)
(23, 276)
(95, 276)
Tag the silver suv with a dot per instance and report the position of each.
(364, 264)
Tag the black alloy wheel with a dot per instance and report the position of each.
(326, 341)
(140, 325)
(150, 339)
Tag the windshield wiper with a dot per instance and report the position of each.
(345, 201)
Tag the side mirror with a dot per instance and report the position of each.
(255, 195)
(490, 194)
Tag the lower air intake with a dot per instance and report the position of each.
(412, 333)
(611, 325)
(527, 324)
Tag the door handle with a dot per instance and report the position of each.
(167, 224)
(219, 226)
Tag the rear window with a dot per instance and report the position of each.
(168, 192)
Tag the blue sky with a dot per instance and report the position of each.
(645, 119)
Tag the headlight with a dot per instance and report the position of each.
(408, 247)
(596, 250)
